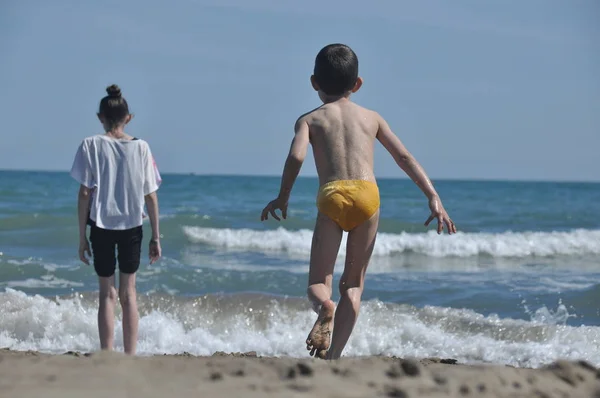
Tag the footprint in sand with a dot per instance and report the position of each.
(319, 338)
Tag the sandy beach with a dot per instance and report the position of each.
(32, 374)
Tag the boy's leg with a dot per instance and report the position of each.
(359, 248)
(326, 241)
(127, 296)
(106, 312)
(129, 247)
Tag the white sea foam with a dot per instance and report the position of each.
(279, 328)
(27, 261)
(44, 282)
(461, 245)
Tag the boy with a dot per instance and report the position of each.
(342, 136)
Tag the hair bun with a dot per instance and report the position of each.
(113, 91)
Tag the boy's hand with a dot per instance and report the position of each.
(272, 206)
(84, 247)
(438, 211)
(155, 250)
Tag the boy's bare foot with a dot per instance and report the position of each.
(319, 337)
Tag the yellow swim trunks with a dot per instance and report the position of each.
(348, 202)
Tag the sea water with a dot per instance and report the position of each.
(519, 284)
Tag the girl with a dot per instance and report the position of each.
(121, 172)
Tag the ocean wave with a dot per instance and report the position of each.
(275, 326)
(506, 244)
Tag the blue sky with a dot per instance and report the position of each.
(498, 89)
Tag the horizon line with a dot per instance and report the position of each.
(401, 177)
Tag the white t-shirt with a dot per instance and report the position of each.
(122, 173)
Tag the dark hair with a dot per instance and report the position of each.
(336, 69)
(113, 107)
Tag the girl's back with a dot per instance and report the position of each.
(122, 172)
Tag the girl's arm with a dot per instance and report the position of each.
(83, 208)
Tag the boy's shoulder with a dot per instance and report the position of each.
(316, 112)
(306, 117)
(368, 112)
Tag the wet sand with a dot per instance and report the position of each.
(32, 374)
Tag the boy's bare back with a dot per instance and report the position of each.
(342, 136)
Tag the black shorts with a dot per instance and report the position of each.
(128, 243)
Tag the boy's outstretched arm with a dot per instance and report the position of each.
(292, 167)
(413, 169)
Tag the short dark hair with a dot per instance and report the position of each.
(336, 69)
(113, 107)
